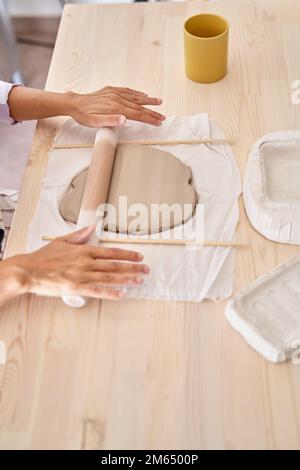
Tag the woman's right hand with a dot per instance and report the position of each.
(68, 266)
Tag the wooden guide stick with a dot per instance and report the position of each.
(150, 142)
(150, 241)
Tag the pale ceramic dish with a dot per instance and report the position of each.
(267, 312)
(271, 187)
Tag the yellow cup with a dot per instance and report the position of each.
(206, 47)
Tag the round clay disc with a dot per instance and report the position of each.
(156, 186)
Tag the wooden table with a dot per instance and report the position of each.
(142, 374)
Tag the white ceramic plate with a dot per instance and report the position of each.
(267, 312)
(271, 187)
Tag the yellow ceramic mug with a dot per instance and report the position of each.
(206, 47)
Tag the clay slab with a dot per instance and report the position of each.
(145, 175)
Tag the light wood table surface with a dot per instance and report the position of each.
(143, 374)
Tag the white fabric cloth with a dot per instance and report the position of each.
(176, 273)
(271, 187)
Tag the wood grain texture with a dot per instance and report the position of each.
(142, 374)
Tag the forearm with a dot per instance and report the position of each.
(110, 106)
(29, 103)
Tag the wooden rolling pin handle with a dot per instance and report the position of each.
(96, 193)
(75, 301)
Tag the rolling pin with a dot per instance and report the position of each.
(96, 190)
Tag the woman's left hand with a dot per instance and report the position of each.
(111, 106)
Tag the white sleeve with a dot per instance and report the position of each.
(5, 88)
